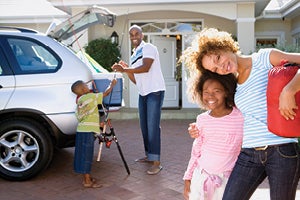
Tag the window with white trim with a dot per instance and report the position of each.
(266, 42)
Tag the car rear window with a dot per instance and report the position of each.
(33, 57)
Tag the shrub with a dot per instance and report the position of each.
(104, 52)
(286, 48)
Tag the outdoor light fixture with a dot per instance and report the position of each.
(114, 38)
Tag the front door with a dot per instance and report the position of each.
(166, 47)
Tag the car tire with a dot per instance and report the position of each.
(26, 149)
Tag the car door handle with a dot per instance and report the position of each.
(1, 86)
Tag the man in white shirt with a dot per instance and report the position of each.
(145, 72)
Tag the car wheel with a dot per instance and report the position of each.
(25, 149)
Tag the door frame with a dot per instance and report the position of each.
(171, 100)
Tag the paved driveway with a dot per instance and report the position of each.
(59, 182)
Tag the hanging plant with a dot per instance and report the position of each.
(104, 52)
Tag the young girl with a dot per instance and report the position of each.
(88, 125)
(220, 129)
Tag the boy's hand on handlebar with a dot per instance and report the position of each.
(113, 82)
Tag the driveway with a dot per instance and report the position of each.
(59, 182)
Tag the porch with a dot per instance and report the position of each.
(132, 113)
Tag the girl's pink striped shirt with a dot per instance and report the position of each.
(218, 145)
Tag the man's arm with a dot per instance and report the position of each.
(123, 67)
(131, 77)
(145, 67)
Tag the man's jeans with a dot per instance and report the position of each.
(280, 163)
(150, 114)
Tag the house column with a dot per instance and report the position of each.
(245, 27)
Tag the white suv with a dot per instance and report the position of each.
(36, 103)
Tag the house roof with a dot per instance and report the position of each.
(277, 4)
(259, 4)
(44, 11)
(282, 9)
(263, 8)
(27, 11)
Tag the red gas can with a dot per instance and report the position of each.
(277, 124)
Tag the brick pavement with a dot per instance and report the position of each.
(59, 182)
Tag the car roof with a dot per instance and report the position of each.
(16, 29)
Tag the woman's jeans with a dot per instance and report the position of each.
(280, 163)
(150, 114)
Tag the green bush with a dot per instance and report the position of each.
(286, 48)
(104, 52)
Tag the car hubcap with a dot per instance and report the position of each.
(18, 151)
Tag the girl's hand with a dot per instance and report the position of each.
(186, 189)
(193, 130)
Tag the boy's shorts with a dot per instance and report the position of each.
(84, 152)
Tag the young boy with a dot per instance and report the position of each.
(88, 125)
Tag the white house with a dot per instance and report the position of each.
(171, 25)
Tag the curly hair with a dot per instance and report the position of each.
(228, 81)
(208, 41)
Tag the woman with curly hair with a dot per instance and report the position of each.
(263, 153)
